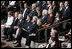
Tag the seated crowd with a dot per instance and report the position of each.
(41, 14)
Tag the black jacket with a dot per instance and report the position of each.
(26, 13)
(61, 12)
(15, 22)
(33, 13)
(66, 13)
(26, 24)
(31, 28)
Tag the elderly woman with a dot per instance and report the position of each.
(44, 16)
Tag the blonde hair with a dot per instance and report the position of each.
(50, 11)
(35, 17)
(40, 21)
(34, 5)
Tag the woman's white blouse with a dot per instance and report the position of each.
(9, 20)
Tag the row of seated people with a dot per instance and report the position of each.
(21, 28)
(47, 14)
(28, 22)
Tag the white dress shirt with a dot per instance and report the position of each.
(24, 11)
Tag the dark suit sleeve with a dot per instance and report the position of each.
(32, 28)
(66, 14)
(15, 23)
(27, 12)
(21, 24)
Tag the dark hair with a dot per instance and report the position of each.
(29, 16)
(11, 13)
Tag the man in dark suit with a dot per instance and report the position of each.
(66, 12)
(33, 10)
(26, 11)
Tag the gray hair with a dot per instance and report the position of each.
(44, 11)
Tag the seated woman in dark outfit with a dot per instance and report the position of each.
(31, 31)
(36, 34)
(27, 22)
